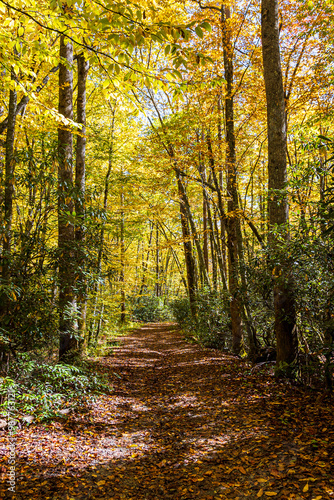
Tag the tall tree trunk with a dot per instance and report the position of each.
(221, 179)
(157, 262)
(232, 204)
(146, 261)
(80, 175)
(188, 251)
(66, 241)
(202, 171)
(106, 189)
(164, 273)
(220, 206)
(9, 193)
(201, 262)
(205, 234)
(215, 247)
(122, 272)
(284, 303)
(214, 261)
(105, 207)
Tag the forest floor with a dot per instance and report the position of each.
(183, 422)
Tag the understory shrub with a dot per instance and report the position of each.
(150, 309)
(180, 308)
(211, 327)
(43, 389)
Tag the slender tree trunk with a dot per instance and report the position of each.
(221, 179)
(99, 323)
(246, 309)
(202, 171)
(105, 207)
(80, 184)
(93, 319)
(201, 261)
(188, 251)
(176, 259)
(157, 262)
(164, 287)
(106, 187)
(145, 262)
(232, 205)
(220, 207)
(211, 228)
(216, 247)
(122, 273)
(205, 234)
(213, 260)
(65, 207)
(9, 182)
(5, 261)
(284, 303)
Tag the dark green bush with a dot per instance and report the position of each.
(181, 311)
(150, 309)
(43, 389)
(211, 327)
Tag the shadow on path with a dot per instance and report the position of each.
(183, 422)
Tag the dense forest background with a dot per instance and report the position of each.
(138, 183)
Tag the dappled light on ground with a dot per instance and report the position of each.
(182, 422)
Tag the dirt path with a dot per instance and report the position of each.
(183, 423)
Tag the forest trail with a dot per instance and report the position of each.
(183, 422)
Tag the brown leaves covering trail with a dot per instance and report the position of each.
(183, 422)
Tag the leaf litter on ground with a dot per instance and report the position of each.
(183, 422)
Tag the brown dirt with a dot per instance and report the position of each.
(183, 422)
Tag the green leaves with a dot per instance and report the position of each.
(206, 26)
(203, 26)
(199, 32)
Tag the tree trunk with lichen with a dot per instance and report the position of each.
(232, 204)
(284, 303)
(66, 238)
(80, 184)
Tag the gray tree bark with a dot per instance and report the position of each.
(8, 197)
(66, 240)
(284, 303)
(187, 245)
(80, 184)
(232, 205)
(9, 182)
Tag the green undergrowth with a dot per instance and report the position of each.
(149, 309)
(41, 390)
(211, 327)
(36, 388)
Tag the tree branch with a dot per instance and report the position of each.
(25, 99)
